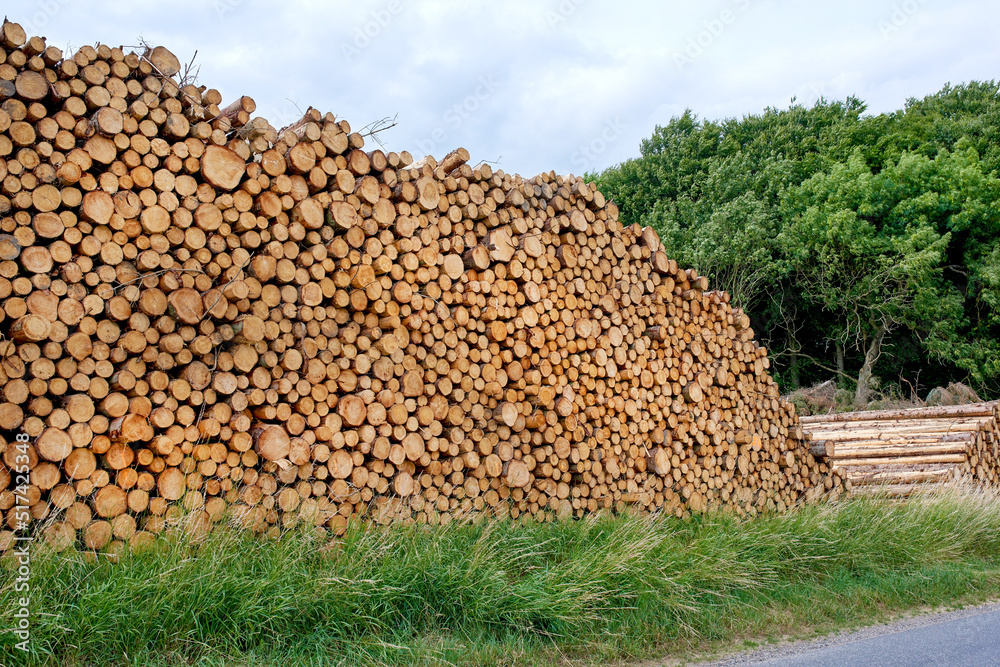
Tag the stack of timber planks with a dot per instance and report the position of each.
(900, 450)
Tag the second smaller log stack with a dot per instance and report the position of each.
(900, 451)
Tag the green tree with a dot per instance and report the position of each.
(873, 277)
(843, 234)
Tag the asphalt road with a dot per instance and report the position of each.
(968, 637)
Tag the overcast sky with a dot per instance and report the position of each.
(564, 85)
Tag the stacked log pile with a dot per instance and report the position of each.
(898, 451)
(206, 316)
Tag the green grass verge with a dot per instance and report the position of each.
(608, 588)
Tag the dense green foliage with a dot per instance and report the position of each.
(503, 592)
(861, 245)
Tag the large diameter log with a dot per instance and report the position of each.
(119, 456)
(11, 416)
(453, 266)
(341, 464)
(188, 305)
(155, 220)
(30, 329)
(97, 207)
(97, 535)
(250, 329)
(222, 167)
(413, 383)
(517, 474)
(171, 484)
(165, 62)
(48, 225)
(131, 428)
(110, 501)
(693, 392)
(31, 86)
(80, 464)
(508, 413)
(342, 215)
(402, 484)
(413, 446)
(352, 410)
(59, 536)
(477, 257)
(271, 442)
(12, 35)
(197, 375)
(54, 444)
(428, 194)
(108, 121)
(658, 461)
(309, 212)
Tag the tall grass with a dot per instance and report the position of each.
(501, 592)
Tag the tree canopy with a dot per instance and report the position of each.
(865, 246)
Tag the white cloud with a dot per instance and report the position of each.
(572, 76)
